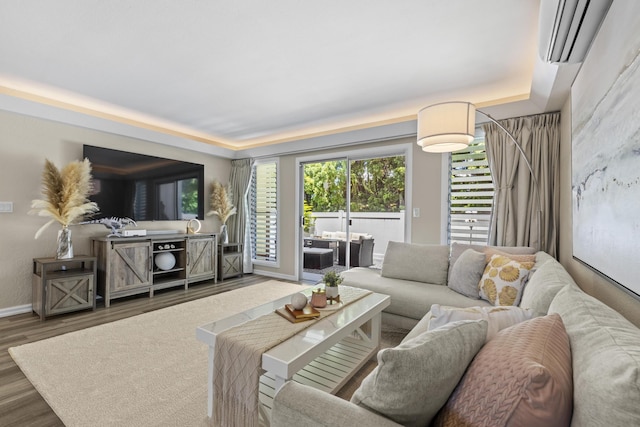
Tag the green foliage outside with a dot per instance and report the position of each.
(309, 220)
(189, 200)
(377, 185)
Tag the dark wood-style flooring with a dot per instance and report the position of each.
(20, 403)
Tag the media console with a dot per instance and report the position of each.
(134, 265)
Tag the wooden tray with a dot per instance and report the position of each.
(290, 317)
(307, 312)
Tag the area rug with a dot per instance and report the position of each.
(147, 370)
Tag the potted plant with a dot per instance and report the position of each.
(331, 281)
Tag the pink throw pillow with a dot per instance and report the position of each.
(523, 377)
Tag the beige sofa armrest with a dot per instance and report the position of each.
(300, 405)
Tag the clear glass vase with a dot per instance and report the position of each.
(65, 247)
(224, 236)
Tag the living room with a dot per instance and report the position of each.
(36, 127)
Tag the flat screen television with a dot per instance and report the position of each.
(145, 188)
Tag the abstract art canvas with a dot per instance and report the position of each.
(606, 161)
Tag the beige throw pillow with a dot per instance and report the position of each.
(466, 273)
(498, 318)
(420, 263)
(503, 280)
(523, 377)
(543, 285)
(414, 380)
(606, 360)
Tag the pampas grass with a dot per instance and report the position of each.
(221, 202)
(65, 194)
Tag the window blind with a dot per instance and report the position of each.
(470, 195)
(264, 209)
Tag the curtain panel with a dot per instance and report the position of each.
(240, 182)
(517, 207)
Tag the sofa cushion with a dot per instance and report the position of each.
(419, 328)
(498, 318)
(413, 380)
(420, 263)
(543, 284)
(466, 273)
(503, 280)
(458, 248)
(520, 378)
(302, 405)
(606, 360)
(408, 298)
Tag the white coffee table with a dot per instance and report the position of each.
(324, 356)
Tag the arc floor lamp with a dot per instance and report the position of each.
(450, 126)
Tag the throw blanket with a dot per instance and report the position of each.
(238, 359)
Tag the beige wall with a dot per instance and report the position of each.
(25, 142)
(426, 188)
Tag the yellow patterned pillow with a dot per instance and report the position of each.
(503, 280)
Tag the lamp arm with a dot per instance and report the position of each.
(533, 175)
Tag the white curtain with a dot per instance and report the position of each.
(238, 224)
(517, 207)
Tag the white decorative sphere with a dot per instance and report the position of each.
(165, 261)
(298, 301)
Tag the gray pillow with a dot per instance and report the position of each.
(414, 380)
(467, 272)
(606, 360)
(544, 284)
(458, 248)
(420, 263)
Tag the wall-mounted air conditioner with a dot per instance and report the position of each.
(567, 28)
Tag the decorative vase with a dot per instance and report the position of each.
(318, 298)
(224, 236)
(332, 291)
(65, 248)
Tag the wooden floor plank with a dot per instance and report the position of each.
(20, 404)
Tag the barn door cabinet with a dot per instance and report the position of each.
(201, 257)
(134, 265)
(124, 267)
(63, 285)
(231, 263)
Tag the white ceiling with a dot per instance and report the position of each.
(242, 74)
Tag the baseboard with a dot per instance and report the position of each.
(19, 309)
(274, 275)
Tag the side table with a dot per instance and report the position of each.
(231, 260)
(63, 285)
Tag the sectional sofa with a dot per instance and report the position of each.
(558, 357)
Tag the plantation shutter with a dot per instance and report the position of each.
(470, 195)
(264, 208)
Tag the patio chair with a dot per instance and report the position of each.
(361, 252)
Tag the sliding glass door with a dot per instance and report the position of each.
(325, 217)
(350, 209)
